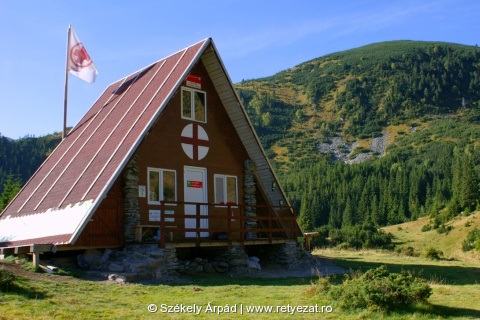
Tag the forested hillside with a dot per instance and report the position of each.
(359, 93)
(21, 158)
(421, 98)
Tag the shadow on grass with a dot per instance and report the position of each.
(215, 280)
(452, 275)
(21, 288)
(442, 311)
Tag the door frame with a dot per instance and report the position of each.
(203, 208)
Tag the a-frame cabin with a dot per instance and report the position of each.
(165, 155)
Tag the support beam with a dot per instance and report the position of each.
(43, 248)
(5, 252)
(307, 236)
(36, 260)
(20, 250)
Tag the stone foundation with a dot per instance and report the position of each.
(147, 261)
(288, 255)
(134, 261)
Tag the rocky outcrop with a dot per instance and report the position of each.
(346, 152)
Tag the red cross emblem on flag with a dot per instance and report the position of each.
(79, 56)
(194, 141)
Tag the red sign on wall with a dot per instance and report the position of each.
(194, 81)
(194, 184)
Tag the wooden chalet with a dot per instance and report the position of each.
(165, 155)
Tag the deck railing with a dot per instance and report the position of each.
(273, 222)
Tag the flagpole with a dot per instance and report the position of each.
(65, 100)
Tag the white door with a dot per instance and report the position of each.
(195, 190)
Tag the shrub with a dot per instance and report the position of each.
(321, 286)
(444, 229)
(6, 279)
(380, 289)
(472, 241)
(407, 251)
(433, 254)
(426, 228)
(364, 236)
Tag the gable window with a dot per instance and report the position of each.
(226, 191)
(194, 105)
(162, 185)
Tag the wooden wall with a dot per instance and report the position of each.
(162, 148)
(105, 228)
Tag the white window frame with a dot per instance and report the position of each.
(192, 104)
(225, 191)
(160, 181)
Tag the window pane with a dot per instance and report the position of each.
(187, 104)
(219, 194)
(231, 189)
(200, 106)
(153, 183)
(168, 186)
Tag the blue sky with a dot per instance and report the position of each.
(255, 39)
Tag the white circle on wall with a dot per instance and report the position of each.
(194, 141)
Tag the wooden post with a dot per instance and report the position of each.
(229, 226)
(270, 229)
(198, 222)
(308, 236)
(36, 260)
(163, 232)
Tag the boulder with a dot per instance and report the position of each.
(254, 265)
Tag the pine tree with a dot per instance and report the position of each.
(307, 217)
(348, 219)
(11, 187)
(469, 184)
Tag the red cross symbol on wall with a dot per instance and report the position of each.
(194, 141)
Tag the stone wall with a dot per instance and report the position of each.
(130, 201)
(148, 261)
(249, 190)
(135, 261)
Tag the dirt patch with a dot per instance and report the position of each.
(321, 266)
(19, 271)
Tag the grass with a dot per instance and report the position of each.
(410, 234)
(47, 299)
(455, 294)
(455, 283)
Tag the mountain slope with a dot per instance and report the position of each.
(22, 157)
(410, 234)
(361, 93)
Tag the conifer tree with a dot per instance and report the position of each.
(307, 217)
(469, 184)
(11, 187)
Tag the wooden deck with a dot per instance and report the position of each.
(275, 224)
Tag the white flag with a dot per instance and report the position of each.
(79, 62)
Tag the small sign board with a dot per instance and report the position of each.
(169, 219)
(142, 191)
(194, 184)
(154, 215)
(194, 81)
